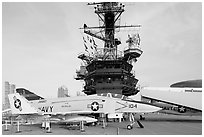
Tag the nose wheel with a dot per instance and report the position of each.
(129, 127)
(132, 119)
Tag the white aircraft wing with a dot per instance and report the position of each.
(177, 96)
(72, 112)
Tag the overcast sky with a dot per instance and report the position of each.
(41, 42)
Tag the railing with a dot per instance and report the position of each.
(114, 7)
(101, 52)
(132, 47)
(133, 50)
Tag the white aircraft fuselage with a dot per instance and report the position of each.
(91, 104)
(78, 105)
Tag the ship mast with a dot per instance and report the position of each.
(109, 13)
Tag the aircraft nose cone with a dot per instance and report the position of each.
(147, 108)
(155, 108)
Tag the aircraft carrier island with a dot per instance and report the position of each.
(106, 69)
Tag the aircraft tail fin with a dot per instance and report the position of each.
(20, 105)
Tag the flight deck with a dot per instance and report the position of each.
(154, 124)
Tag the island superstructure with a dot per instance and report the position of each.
(106, 69)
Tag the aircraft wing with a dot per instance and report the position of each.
(175, 96)
(72, 112)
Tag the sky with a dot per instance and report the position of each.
(41, 42)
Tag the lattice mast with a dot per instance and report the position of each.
(109, 13)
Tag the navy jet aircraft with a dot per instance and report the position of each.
(77, 105)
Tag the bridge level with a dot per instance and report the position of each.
(110, 76)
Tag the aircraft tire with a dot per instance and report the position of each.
(129, 127)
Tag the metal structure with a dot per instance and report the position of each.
(108, 70)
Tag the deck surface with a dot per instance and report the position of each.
(154, 124)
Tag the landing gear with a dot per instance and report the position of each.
(48, 126)
(142, 118)
(129, 127)
(140, 124)
(82, 126)
(43, 124)
(103, 116)
(132, 120)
